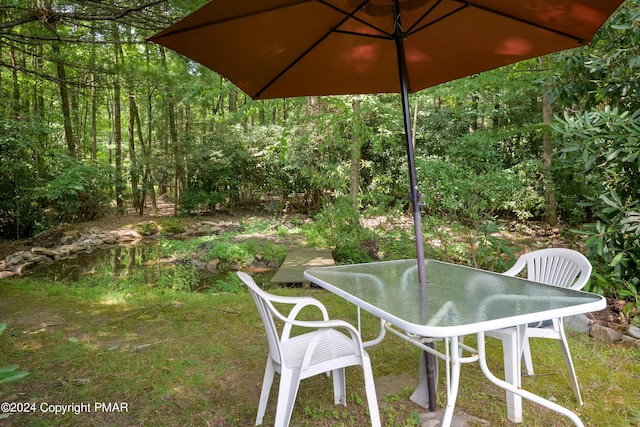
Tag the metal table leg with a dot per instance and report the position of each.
(519, 391)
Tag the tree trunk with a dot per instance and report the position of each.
(64, 98)
(356, 154)
(16, 108)
(145, 173)
(134, 174)
(94, 119)
(173, 134)
(233, 100)
(148, 179)
(117, 128)
(551, 213)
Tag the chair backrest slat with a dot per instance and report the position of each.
(559, 267)
(266, 315)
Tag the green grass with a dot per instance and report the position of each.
(178, 358)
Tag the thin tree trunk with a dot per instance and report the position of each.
(551, 213)
(94, 119)
(15, 108)
(134, 174)
(146, 174)
(148, 179)
(173, 134)
(117, 127)
(64, 98)
(356, 154)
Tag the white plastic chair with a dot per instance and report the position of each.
(302, 356)
(555, 266)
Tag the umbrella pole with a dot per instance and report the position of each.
(414, 194)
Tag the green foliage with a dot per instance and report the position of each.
(225, 168)
(77, 191)
(614, 68)
(23, 167)
(9, 373)
(490, 252)
(603, 147)
(352, 242)
(230, 254)
(40, 186)
(148, 228)
(234, 255)
(461, 193)
(172, 226)
(182, 278)
(230, 284)
(195, 200)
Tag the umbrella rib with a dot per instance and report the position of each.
(320, 40)
(353, 33)
(580, 40)
(230, 19)
(443, 17)
(424, 15)
(352, 16)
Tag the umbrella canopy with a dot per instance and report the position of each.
(287, 48)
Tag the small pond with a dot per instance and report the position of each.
(143, 262)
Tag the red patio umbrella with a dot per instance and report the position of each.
(289, 48)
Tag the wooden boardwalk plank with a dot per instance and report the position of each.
(299, 260)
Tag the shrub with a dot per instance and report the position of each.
(603, 148)
(78, 191)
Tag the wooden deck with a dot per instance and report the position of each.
(299, 260)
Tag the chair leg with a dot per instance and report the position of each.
(370, 389)
(289, 384)
(526, 356)
(339, 387)
(267, 381)
(566, 354)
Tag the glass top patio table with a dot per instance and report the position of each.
(456, 300)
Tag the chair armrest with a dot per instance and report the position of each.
(298, 304)
(516, 268)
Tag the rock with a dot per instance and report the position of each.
(605, 334)
(6, 273)
(200, 265)
(129, 237)
(67, 240)
(213, 265)
(44, 251)
(634, 331)
(204, 230)
(37, 259)
(21, 268)
(28, 256)
(67, 250)
(631, 340)
(14, 259)
(110, 239)
(213, 227)
(578, 323)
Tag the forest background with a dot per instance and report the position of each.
(94, 120)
